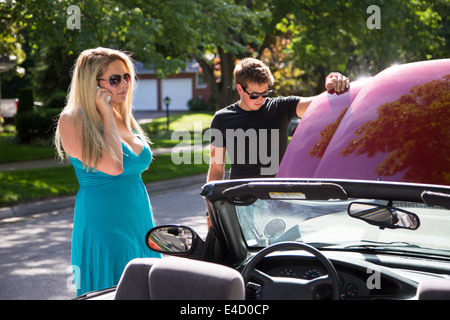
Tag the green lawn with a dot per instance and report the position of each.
(33, 184)
(182, 126)
(20, 152)
(189, 121)
(193, 122)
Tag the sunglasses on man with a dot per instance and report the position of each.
(116, 79)
(254, 96)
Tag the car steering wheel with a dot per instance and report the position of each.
(291, 288)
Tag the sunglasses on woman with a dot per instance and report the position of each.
(116, 79)
(254, 96)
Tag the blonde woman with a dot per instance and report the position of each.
(108, 151)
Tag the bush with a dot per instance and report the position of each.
(212, 104)
(36, 125)
(56, 100)
(26, 99)
(196, 104)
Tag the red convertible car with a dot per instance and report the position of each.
(394, 126)
(360, 207)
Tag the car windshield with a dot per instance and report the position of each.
(326, 224)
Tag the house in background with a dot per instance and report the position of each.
(180, 88)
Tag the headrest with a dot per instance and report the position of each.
(434, 290)
(186, 279)
(133, 284)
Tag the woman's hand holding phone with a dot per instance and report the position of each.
(102, 99)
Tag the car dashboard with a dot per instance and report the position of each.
(361, 276)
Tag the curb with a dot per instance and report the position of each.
(52, 204)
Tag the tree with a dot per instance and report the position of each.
(301, 40)
(334, 35)
(161, 34)
(10, 39)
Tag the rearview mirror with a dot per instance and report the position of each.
(383, 216)
(171, 239)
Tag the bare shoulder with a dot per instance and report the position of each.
(70, 132)
(69, 118)
(69, 122)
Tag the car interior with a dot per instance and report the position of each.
(363, 272)
(287, 261)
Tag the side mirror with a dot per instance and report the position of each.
(171, 239)
(383, 216)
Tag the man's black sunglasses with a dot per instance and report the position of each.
(254, 96)
(116, 79)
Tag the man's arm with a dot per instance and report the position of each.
(217, 164)
(216, 169)
(334, 82)
(302, 105)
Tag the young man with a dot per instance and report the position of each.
(254, 130)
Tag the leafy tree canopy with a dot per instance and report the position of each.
(301, 40)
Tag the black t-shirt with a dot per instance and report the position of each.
(255, 140)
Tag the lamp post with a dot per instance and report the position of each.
(167, 102)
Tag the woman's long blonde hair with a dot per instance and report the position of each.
(90, 66)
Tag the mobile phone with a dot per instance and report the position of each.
(108, 98)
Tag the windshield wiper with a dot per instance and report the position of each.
(373, 246)
(399, 248)
(367, 244)
(393, 248)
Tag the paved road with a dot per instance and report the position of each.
(35, 251)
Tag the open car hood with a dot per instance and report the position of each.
(394, 126)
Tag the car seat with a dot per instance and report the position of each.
(173, 278)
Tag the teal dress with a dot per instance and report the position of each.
(112, 217)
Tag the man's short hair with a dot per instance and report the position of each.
(250, 70)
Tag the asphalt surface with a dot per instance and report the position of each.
(35, 249)
(36, 236)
